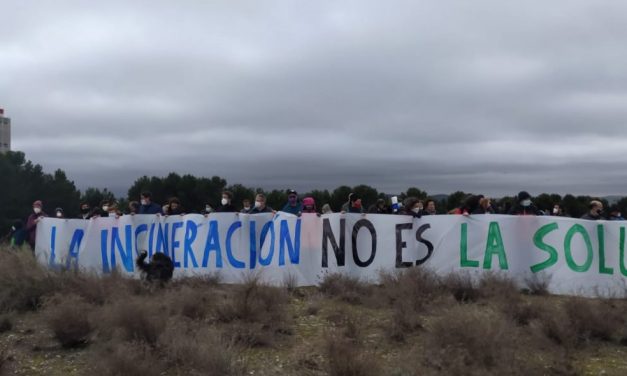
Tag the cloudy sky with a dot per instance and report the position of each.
(482, 96)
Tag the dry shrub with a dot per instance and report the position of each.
(136, 319)
(6, 322)
(462, 287)
(314, 304)
(127, 359)
(417, 287)
(68, 318)
(538, 284)
(497, 286)
(23, 282)
(198, 351)
(346, 357)
(191, 302)
(256, 311)
(98, 289)
(345, 287)
(203, 281)
(467, 339)
(593, 319)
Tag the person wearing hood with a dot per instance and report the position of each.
(33, 220)
(524, 205)
(293, 206)
(226, 205)
(355, 205)
(309, 205)
(615, 214)
(379, 207)
(59, 213)
(596, 211)
(85, 211)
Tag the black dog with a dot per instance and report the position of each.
(159, 269)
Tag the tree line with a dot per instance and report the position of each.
(22, 182)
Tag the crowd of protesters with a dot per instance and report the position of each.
(472, 205)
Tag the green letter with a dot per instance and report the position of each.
(463, 249)
(602, 268)
(494, 246)
(623, 268)
(538, 241)
(577, 228)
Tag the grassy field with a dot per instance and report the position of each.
(413, 323)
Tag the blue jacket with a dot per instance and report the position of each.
(151, 208)
(293, 209)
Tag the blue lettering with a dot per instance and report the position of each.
(285, 239)
(75, 245)
(141, 228)
(104, 235)
(229, 252)
(162, 239)
(268, 227)
(190, 235)
(175, 243)
(126, 253)
(213, 244)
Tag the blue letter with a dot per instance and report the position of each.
(284, 239)
(213, 243)
(75, 245)
(190, 235)
(162, 239)
(229, 252)
(116, 242)
(104, 234)
(268, 227)
(175, 243)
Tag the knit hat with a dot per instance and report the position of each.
(38, 203)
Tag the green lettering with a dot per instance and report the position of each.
(538, 241)
(602, 268)
(463, 249)
(623, 268)
(494, 246)
(578, 229)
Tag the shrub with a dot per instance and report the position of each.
(23, 282)
(345, 287)
(136, 319)
(68, 318)
(127, 359)
(345, 357)
(462, 288)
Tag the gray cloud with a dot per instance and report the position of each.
(481, 96)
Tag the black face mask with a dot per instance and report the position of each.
(84, 210)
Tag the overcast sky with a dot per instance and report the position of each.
(481, 96)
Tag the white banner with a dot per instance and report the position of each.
(579, 257)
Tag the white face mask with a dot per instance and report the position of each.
(207, 208)
(13, 228)
(59, 214)
(246, 207)
(37, 210)
(416, 210)
(258, 204)
(526, 202)
(105, 208)
(225, 201)
(556, 210)
(144, 202)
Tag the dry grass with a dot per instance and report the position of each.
(68, 318)
(345, 288)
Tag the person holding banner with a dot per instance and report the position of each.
(33, 220)
(225, 204)
(525, 206)
(293, 206)
(596, 211)
(147, 206)
(260, 205)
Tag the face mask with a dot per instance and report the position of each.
(207, 208)
(258, 204)
(144, 202)
(599, 211)
(246, 207)
(525, 202)
(37, 210)
(59, 214)
(556, 210)
(416, 210)
(225, 201)
(84, 210)
(618, 215)
(105, 208)
(13, 228)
